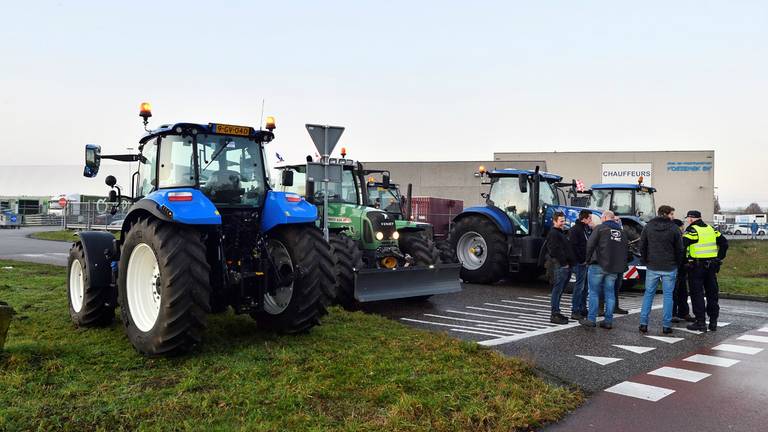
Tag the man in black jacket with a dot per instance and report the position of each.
(561, 261)
(577, 236)
(607, 250)
(661, 250)
(680, 309)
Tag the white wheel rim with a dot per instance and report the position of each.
(143, 287)
(471, 250)
(277, 303)
(76, 286)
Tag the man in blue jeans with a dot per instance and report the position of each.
(561, 261)
(577, 237)
(661, 250)
(607, 255)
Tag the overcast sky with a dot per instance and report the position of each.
(410, 80)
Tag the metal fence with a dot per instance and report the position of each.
(96, 215)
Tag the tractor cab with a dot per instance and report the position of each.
(627, 200)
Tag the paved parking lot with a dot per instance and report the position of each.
(514, 319)
(15, 244)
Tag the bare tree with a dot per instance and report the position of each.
(717, 205)
(753, 208)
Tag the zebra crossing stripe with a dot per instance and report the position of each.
(679, 374)
(499, 333)
(640, 391)
(752, 338)
(738, 349)
(711, 360)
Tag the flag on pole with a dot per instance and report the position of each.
(279, 158)
(580, 186)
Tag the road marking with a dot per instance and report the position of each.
(526, 325)
(512, 307)
(764, 329)
(602, 361)
(687, 331)
(640, 391)
(500, 318)
(722, 324)
(667, 339)
(679, 374)
(500, 326)
(635, 349)
(738, 349)
(473, 331)
(711, 360)
(563, 307)
(752, 338)
(507, 339)
(498, 332)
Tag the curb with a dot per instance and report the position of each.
(743, 297)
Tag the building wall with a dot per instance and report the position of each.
(677, 175)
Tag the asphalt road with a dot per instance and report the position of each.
(512, 318)
(15, 244)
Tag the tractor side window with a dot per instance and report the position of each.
(506, 195)
(644, 205)
(147, 179)
(622, 202)
(547, 195)
(601, 199)
(176, 162)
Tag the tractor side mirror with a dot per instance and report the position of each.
(287, 177)
(111, 181)
(523, 183)
(310, 192)
(385, 180)
(92, 160)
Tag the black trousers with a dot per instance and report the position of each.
(703, 283)
(680, 295)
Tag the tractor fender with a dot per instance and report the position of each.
(283, 208)
(497, 216)
(199, 210)
(99, 249)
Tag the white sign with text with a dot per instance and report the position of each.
(627, 173)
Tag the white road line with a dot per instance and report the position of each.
(711, 360)
(764, 329)
(525, 324)
(683, 329)
(667, 339)
(473, 331)
(493, 310)
(640, 391)
(738, 349)
(504, 327)
(512, 307)
(722, 324)
(602, 361)
(501, 326)
(484, 315)
(536, 318)
(535, 299)
(507, 339)
(752, 338)
(679, 374)
(501, 333)
(545, 307)
(635, 349)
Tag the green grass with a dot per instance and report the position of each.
(61, 235)
(745, 269)
(354, 372)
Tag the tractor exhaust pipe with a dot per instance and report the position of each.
(535, 209)
(409, 201)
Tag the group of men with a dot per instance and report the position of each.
(675, 258)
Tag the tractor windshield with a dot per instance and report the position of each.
(387, 199)
(601, 199)
(232, 170)
(344, 192)
(644, 205)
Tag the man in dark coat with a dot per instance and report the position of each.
(577, 236)
(561, 261)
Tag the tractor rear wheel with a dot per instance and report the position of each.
(163, 287)
(481, 249)
(348, 258)
(89, 306)
(422, 250)
(302, 251)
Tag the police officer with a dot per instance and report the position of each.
(705, 249)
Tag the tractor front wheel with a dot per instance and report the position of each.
(348, 258)
(481, 249)
(422, 250)
(89, 306)
(302, 253)
(163, 287)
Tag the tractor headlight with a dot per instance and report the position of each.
(379, 235)
(395, 235)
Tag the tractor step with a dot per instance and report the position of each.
(404, 282)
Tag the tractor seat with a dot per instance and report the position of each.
(224, 186)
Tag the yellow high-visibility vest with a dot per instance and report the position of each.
(706, 246)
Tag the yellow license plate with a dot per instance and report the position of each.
(225, 129)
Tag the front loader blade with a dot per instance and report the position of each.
(403, 282)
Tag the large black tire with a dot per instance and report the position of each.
(496, 263)
(96, 306)
(183, 280)
(422, 250)
(348, 258)
(447, 253)
(301, 246)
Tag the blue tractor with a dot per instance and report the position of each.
(506, 236)
(205, 231)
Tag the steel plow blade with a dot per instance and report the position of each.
(404, 282)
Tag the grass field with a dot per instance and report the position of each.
(745, 269)
(355, 372)
(60, 235)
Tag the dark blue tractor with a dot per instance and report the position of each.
(506, 236)
(205, 231)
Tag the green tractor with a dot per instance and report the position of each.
(380, 254)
